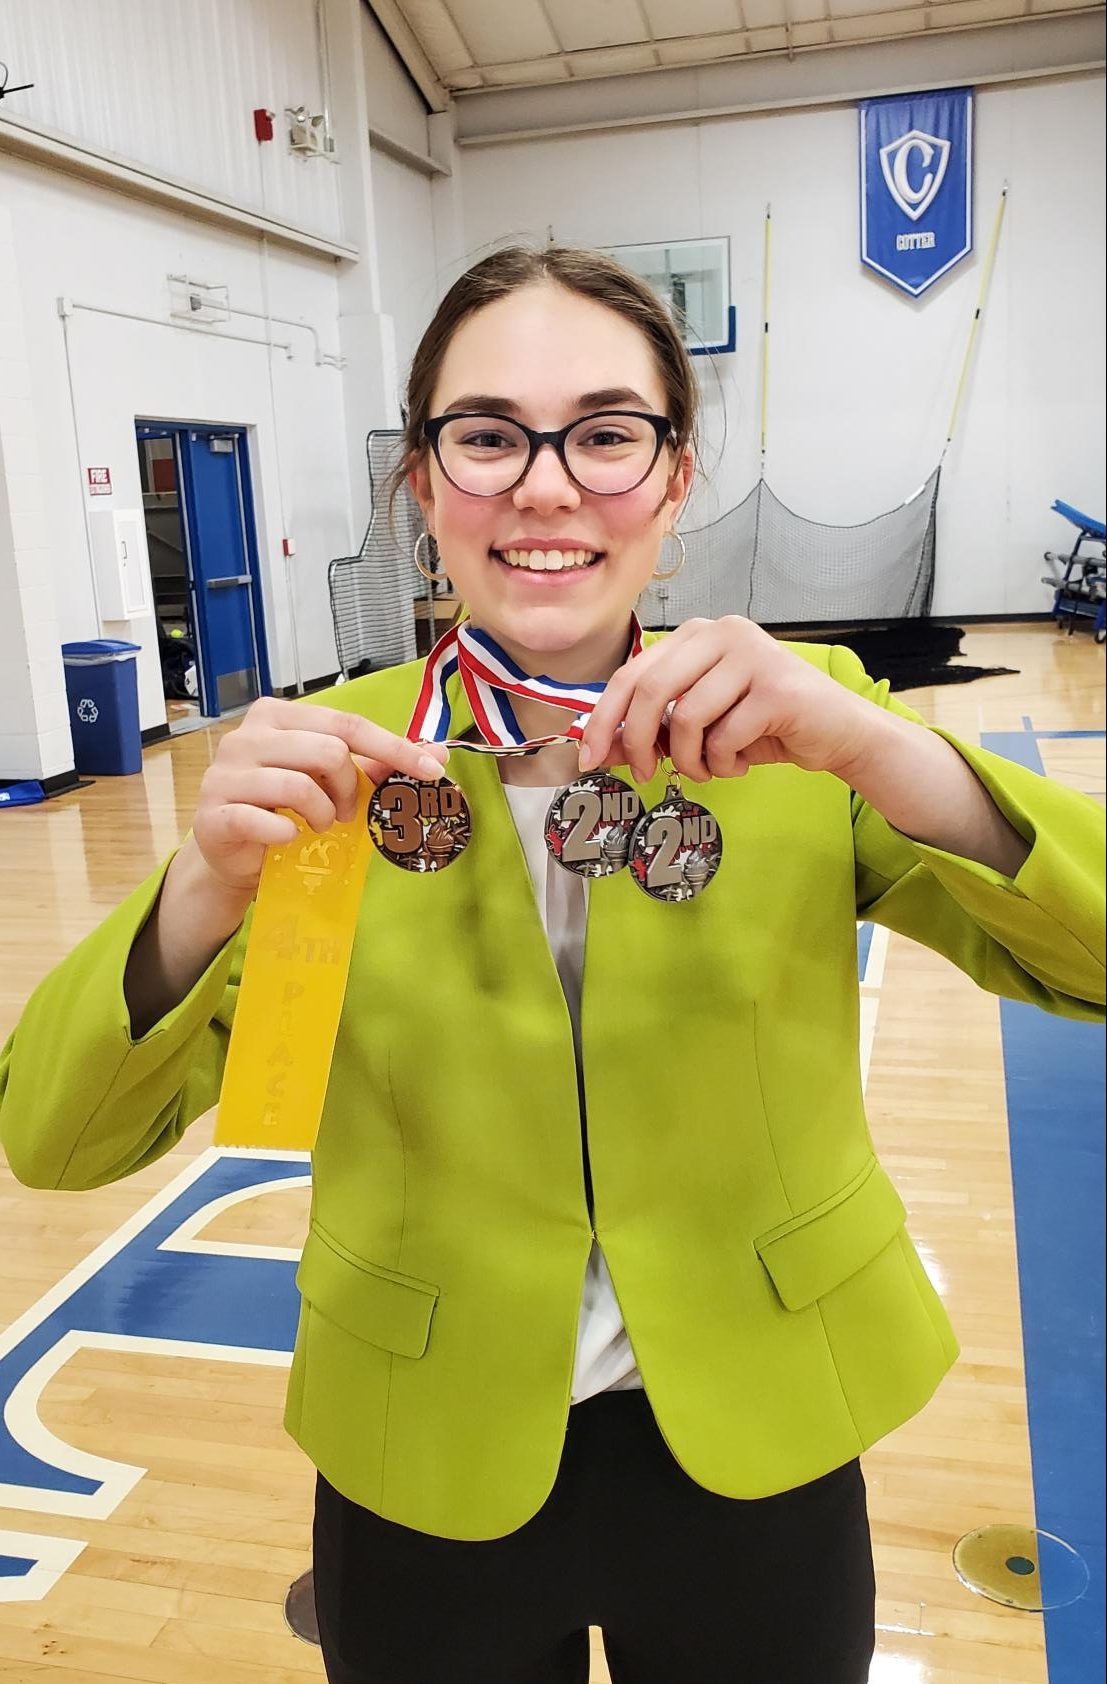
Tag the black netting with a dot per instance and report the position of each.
(373, 593)
(763, 560)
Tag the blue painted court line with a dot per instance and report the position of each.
(14, 1566)
(1054, 1071)
(1049, 735)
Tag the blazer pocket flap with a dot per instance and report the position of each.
(383, 1308)
(813, 1253)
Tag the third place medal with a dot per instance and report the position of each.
(419, 825)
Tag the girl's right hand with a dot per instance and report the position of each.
(296, 756)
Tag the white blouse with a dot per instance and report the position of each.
(605, 1361)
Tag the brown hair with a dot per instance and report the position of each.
(588, 273)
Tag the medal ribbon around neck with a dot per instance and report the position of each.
(490, 678)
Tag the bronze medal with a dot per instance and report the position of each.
(676, 848)
(589, 824)
(420, 825)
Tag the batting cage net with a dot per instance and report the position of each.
(763, 560)
(373, 593)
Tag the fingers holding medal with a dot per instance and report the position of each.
(664, 702)
(718, 697)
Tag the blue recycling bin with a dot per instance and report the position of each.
(101, 681)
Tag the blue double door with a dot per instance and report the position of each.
(208, 468)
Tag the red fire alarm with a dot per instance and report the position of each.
(263, 124)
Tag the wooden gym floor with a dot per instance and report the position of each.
(183, 1582)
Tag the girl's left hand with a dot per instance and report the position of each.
(732, 697)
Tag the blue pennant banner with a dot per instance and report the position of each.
(916, 186)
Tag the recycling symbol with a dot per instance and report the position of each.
(87, 711)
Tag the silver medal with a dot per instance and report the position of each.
(590, 822)
(676, 848)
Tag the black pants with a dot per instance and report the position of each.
(689, 1587)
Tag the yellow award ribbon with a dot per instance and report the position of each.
(293, 984)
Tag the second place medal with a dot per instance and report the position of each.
(419, 825)
(676, 848)
(590, 824)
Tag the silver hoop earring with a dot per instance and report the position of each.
(663, 578)
(427, 572)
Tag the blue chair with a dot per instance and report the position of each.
(1079, 580)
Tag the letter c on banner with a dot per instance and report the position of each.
(913, 195)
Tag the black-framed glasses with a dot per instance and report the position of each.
(607, 453)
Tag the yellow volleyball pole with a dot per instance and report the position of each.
(985, 283)
(765, 336)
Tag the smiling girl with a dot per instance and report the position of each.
(605, 1291)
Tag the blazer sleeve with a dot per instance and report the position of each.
(81, 1102)
(1038, 936)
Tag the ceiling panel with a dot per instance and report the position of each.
(596, 23)
(522, 43)
(952, 14)
(496, 31)
(691, 17)
(438, 35)
(759, 14)
(891, 23)
(851, 11)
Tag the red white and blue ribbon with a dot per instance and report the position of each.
(490, 678)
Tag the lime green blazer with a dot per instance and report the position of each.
(780, 1317)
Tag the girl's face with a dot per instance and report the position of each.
(547, 356)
